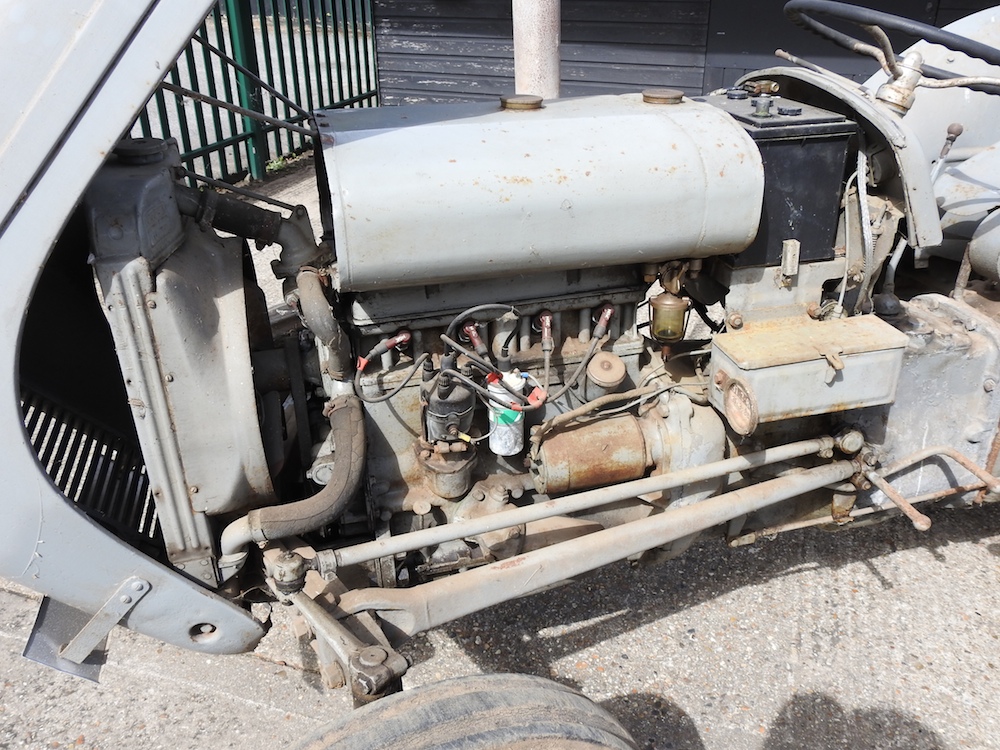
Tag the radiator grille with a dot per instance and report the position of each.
(101, 472)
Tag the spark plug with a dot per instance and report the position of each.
(471, 330)
(604, 313)
(400, 339)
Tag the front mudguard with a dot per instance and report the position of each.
(45, 542)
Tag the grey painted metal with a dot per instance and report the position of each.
(330, 560)
(800, 367)
(182, 339)
(536, 47)
(623, 182)
(425, 606)
(94, 78)
(119, 604)
(946, 396)
(55, 624)
(935, 109)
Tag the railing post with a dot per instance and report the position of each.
(245, 52)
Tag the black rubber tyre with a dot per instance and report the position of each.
(485, 712)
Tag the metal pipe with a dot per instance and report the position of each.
(322, 322)
(330, 560)
(919, 520)
(428, 605)
(868, 510)
(992, 483)
(536, 47)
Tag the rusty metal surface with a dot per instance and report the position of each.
(919, 520)
(800, 367)
(786, 342)
(334, 559)
(603, 452)
(427, 605)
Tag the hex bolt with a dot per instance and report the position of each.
(372, 656)
(735, 320)
(151, 304)
(989, 384)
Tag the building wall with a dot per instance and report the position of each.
(461, 50)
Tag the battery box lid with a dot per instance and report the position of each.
(786, 342)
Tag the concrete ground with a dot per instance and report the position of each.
(878, 638)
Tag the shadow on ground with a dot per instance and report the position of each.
(619, 599)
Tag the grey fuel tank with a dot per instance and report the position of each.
(432, 194)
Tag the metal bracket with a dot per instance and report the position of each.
(790, 250)
(96, 630)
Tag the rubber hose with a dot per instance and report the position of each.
(347, 423)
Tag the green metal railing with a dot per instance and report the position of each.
(317, 54)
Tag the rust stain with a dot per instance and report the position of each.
(598, 454)
(513, 562)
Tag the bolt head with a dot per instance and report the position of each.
(989, 384)
(125, 599)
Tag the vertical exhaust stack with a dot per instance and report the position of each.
(536, 47)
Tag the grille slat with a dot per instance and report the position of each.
(102, 473)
